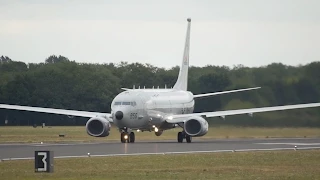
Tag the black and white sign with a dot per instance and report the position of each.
(43, 161)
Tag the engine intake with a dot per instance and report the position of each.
(98, 127)
(196, 126)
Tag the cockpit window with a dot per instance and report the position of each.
(126, 103)
(117, 103)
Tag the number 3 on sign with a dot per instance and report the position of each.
(44, 160)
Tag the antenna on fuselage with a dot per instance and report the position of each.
(139, 87)
(144, 87)
(158, 87)
(165, 86)
(134, 87)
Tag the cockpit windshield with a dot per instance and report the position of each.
(126, 103)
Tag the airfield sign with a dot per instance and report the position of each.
(43, 161)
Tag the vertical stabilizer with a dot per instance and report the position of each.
(182, 82)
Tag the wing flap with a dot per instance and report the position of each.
(54, 111)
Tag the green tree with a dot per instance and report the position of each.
(211, 83)
(56, 59)
(61, 83)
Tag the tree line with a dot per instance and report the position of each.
(61, 83)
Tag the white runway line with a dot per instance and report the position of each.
(292, 144)
(19, 144)
(47, 145)
(50, 144)
(167, 153)
(65, 144)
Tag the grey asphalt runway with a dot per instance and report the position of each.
(13, 151)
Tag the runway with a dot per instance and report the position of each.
(26, 151)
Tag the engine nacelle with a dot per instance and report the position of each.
(98, 127)
(196, 126)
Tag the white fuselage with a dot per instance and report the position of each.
(143, 108)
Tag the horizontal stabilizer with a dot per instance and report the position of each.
(224, 92)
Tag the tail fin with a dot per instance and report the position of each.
(182, 82)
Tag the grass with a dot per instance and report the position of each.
(239, 165)
(11, 134)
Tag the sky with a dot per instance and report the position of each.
(223, 32)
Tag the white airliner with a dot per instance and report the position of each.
(156, 109)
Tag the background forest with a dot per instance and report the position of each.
(61, 83)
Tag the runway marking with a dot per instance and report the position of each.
(166, 153)
(15, 144)
(292, 144)
(107, 142)
(51, 144)
(42, 145)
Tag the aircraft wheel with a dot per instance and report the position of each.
(180, 137)
(122, 137)
(132, 137)
(188, 138)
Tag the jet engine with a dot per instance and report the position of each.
(196, 126)
(98, 127)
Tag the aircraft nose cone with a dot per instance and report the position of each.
(119, 115)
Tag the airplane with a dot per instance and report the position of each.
(157, 109)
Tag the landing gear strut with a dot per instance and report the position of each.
(126, 137)
(182, 135)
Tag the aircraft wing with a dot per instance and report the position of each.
(179, 118)
(224, 92)
(54, 111)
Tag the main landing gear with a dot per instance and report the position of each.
(127, 137)
(182, 135)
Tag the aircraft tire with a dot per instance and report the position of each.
(180, 137)
(132, 137)
(188, 138)
(122, 137)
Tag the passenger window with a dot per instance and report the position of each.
(133, 103)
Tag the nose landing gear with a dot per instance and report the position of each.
(126, 137)
(182, 135)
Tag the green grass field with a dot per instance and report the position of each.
(239, 165)
(12, 134)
